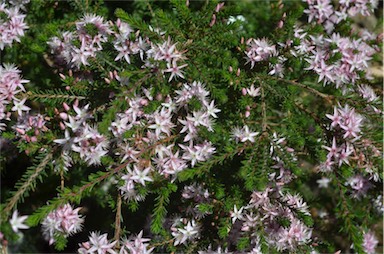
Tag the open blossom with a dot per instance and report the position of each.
(184, 231)
(20, 107)
(17, 222)
(175, 70)
(244, 134)
(237, 214)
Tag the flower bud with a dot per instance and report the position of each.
(63, 116)
(21, 131)
(66, 107)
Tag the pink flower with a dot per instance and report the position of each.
(98, 244)
(369, 242)
(175, 70)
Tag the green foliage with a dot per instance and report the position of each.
(292, 106)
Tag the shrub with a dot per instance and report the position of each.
(138, 127)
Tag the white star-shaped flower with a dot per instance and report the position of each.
(20, 107)
(237, 214)
(17, 222)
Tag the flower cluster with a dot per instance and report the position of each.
(197, 195)
(259, 50)
(323, 11)
(98, 243)
(348, 123)
(64, 220)
(85, 140)
(74, 48)
(338, 60)
(11, 84)
(168, 158)
(278, 214)
(136, 244)
(369, 242)
(31, 127)
(12, 25)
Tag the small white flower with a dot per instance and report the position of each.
(17, 222)
(237, 214)
(323, 182)
(20, 107)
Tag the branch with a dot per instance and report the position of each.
(27, 184)
(327, 97)
(118, 219)
(31, 95)
(263, 109)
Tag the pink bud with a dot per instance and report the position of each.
(213, 21)
(111, 75)
(70, 73)
(76, 103)
(107, 81)
(247, 114)
(37, 132)
(27, 138)
(238, 72)
(118, 22)
(187, 3)
(66, 107)
(242, 40)
(62, 76)
(21, 131)
(248, 108)
(219, 6)
(40, 123)
(33, 139)
(244, 91)
(290, 150)
(230, 69)
(159, 97)
(63, 116)
(67, 88)
(144, 102)
(62, 126)
(280, 24)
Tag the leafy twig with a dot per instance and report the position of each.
(28, 184)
